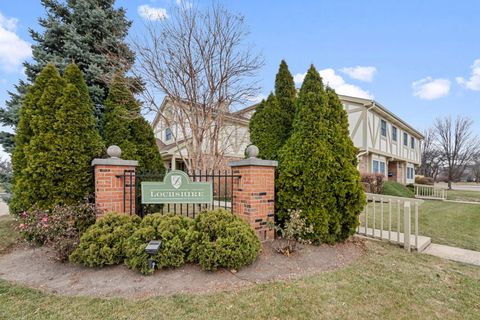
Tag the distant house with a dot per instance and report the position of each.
(386, 143)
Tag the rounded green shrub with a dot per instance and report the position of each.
(103, 242)
(171, 229)
(221, 239)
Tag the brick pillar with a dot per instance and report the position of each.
(110, 194)
(254, 194)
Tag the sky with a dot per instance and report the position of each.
(420, 59)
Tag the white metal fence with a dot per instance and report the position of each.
(429, 192)
(394, 219)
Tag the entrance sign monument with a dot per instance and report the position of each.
(176, 188)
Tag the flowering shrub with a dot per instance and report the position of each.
(60, 228)
(295, 231)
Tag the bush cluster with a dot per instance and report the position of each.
(372, 182)
(60, 228)
(171, 229)
(103, 243)
(215, 239)
(221, 239)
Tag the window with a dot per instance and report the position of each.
(375, 166)
(378, 166)
(405, 139)
(383, 127)
(394, 133)
(168, 134)
(412, 142)
(410, 173)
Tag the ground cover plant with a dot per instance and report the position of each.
(171, 229)
(220, 239)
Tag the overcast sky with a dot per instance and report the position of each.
(420, 59)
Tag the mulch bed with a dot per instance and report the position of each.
(34, 267)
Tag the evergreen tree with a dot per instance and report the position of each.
(76, 141)
(317, 172)
(55, 142)
(41, 95)
(271, 123)
(90, 33)
(126, 128)
(286, 94)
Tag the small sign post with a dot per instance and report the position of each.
(176, 188)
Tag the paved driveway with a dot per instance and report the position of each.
(3, 208)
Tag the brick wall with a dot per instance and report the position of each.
(254, 197)
(109, 189)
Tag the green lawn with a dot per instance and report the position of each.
(7, 236)
(386, 283)
(463, 195)
(453, 224)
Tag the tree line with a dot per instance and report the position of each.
(451, 151)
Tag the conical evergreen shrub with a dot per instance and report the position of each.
(33, 138)
(271, 124)
(126, 128)
(55, 142)
(317, 171)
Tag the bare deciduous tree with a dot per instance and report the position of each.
(476, 168)
(199, 60)
(431, 155)
(457, 145)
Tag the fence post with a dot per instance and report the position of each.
(253, 196)
(111, 194)
(406, 225)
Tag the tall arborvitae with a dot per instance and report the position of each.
(271, 123)
(286, 94)
(126, 128)
(349, 192)
(31, 137)
(90, 33)
(56, 140)
(317, 172)
(76, 141)
(267, 128)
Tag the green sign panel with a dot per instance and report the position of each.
(176, 188)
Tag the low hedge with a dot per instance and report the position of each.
(171, 229)
(215, 239)
(103, 243)
(221, 239)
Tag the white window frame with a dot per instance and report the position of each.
(405, 139)
(168, 134)
(379, 165)
(394, 133)
(383, 128)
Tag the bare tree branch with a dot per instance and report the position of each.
(199, 60)
(456, 144)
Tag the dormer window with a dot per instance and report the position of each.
(168, 134)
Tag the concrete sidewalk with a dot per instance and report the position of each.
(454, 253)
(3, 208)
